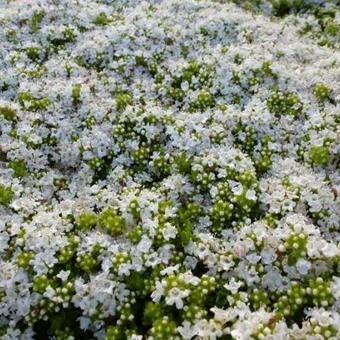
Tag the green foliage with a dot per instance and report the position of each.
(101, 19)
(118, 259)
(36, 20)
(28, 102)
(113, 333)
(6, 194)
(19, 167)
(284, 7)
(33, 53)
(58, 43)
(222, 211)
(76, 91)
(325, 331)
(294, 300)
(319, 155)
(161, 166)
(193, 312)
(8, 113)
(96, 164)
(183, 163)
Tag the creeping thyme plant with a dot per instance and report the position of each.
(169, 169)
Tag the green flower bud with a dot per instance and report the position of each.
(123, 100)
(322, 92)
(87, 262)
(259, 298)
(40, 283)
(23, 259)
(203, 101)
(285, 103)
(86, 221)
(319, 292)
(112, 222)
(134, 209)
(163, 329)
(296, 247)
(135, 235)
(193, 312)
(152, 311)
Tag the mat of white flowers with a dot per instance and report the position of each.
(169, 169)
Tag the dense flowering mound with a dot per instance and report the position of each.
(169, 170)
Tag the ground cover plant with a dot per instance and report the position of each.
(169, 169)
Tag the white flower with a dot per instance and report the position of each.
(176, 296)
(251, 195)
(187, 331)
(49, 292)
(220, 315)
(268, 255)
(124, 269)
(157, 294)
(237, 189)
(335, 286)
(190, 262)
(153, 259)
(63, 274)
(169, 232)
(135, 337)
(189, 278)
(253, 258)
(172, 106)
(210, 329)
(170, 270)
(144, 245)
(330, 250)
(84, 322)
(185, 86)
(225, 262)
(303, 266)
(233, 286)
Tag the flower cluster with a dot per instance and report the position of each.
(169, 169)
